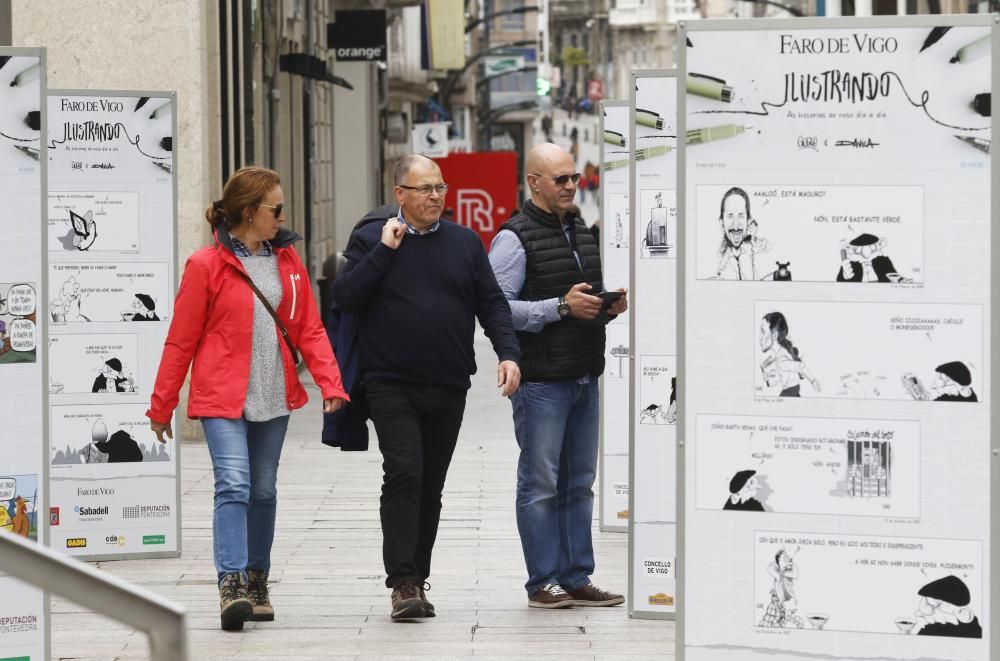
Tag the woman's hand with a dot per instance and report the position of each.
(159, 429)
(332, 404)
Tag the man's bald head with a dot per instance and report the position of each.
(409, 162)
(546, 163)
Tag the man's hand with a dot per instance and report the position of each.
(508, 377)
(581, 304)
(332, 404)
(393, 232)
(619, 306)
(160, 429)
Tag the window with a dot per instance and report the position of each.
(511, 22)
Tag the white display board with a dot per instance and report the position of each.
(653, 403)
(111, 237)
(614, 190)
(23, 609)
(835, 339)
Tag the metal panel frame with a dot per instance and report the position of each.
(633, 201)
(920, 21)
(173, 270)
(603, 524)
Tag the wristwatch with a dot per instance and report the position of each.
(563, 307)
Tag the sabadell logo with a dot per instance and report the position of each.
(91, 511)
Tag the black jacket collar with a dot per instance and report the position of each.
(546, 218)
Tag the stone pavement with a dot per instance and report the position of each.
(327, 579)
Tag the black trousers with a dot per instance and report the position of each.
(417, 429)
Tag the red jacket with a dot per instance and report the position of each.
(213, 326)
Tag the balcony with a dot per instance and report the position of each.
(637, 13)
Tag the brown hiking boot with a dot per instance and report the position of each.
(591, 595)
(428, 606)
(550, 596)
(406, 602)
(263, 611)
(234, 605)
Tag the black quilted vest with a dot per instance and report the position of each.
(569, 348)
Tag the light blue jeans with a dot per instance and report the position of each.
(245, 461)
(556, 428)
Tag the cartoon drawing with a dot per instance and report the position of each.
(943, 611)
(657, 396)
(68, 306)
(143, 309)
(655, 241)
(113, 378)
(119, 447)
(782, 610)
(742, 491)
(953, 384)
(740, 244)
(869, 465)
(671, 414)
(782, 366)
(782, 274)
(20, 525)
(862, 260)
(82, 233)
(621, 222)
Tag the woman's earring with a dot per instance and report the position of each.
(251, 219)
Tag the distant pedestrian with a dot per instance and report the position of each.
(418, 283)
(574, 145)
(547, 127)
(549, 268)
(235, 297)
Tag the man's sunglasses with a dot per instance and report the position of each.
(562, 179)
(278, 209)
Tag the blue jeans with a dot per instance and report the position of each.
(245, 461)
(556, 428)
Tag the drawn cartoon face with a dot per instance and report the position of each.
(766, 336)
(750, 488)
(946, 384)
(784, 560)
(735, 220)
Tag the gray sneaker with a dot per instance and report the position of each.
(550, 596)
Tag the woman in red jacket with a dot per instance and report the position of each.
(243, 382)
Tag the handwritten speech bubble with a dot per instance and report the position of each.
(21, 300)
(8, 488)
(22, 335)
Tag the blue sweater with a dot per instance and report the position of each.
(417, 304)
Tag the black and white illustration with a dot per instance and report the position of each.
(98, 364)
(657, 399)
(910, 351)
(811, 582)
(617, 359)
(126, 292)
(18, 323)
(847, 234)
(655, 129)
(826, 466)
(657, 223)
(20, 114)
(93, 222)
(109, 434)
(616, 222)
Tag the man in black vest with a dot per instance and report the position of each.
(549, 267)
(418, 283)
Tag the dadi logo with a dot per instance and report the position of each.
(76, 542)
(661, 599)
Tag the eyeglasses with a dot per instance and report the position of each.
(278, 209)
(562, 179)
(426, 191)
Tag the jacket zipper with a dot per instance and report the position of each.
(294, 277)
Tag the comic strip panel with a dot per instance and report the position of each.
(104, 363)
(18, 499)
(93, 222)
(657, 390)
(657, 223)
(107, 434)
(845, 234)
(616, 361)
(129, 291)
(18, 323)
(822, 582)
(924, 352)
(808, 465)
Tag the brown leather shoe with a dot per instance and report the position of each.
(257, 592)
(550, 596)
(428, 606)
(591, 595)
(234, 605)
(406, 601)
